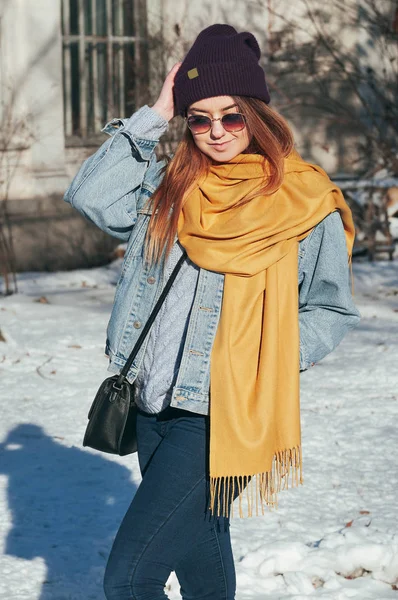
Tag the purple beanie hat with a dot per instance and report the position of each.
(221, 62)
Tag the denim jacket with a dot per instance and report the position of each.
(111, 190)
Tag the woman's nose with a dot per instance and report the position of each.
(217, 130)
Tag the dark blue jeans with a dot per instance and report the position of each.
(168, 526)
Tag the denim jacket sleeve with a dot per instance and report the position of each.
(326, 308)
(107, 185)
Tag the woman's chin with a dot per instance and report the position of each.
(223, 157)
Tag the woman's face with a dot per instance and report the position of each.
(218, 144)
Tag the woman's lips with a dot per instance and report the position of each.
(220, 146)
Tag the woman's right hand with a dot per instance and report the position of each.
(164, 105)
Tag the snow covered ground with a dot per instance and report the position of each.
(335, 537)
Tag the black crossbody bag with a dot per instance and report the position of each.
(113, 414)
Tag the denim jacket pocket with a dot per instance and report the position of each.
(144, 206)
(136, 242)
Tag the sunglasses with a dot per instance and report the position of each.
(231, 122)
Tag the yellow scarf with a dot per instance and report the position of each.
(254, 390)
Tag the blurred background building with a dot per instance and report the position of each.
(69, 66)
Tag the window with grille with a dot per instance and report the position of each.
(105, 72)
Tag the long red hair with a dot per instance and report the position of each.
(270, 136)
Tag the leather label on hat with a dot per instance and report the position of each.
(193, 73)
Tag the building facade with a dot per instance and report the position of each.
(69, 66)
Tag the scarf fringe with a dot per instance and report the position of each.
(263, 486)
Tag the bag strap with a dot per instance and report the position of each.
(148, 324)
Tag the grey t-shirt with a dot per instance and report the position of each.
(159, 369)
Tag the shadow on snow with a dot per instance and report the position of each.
(66, 505)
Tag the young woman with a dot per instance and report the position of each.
(264, 293)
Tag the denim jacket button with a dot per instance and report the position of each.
(151, 280)
(137, 324)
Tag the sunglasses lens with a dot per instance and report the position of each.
(233, 122)
(199, 124)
